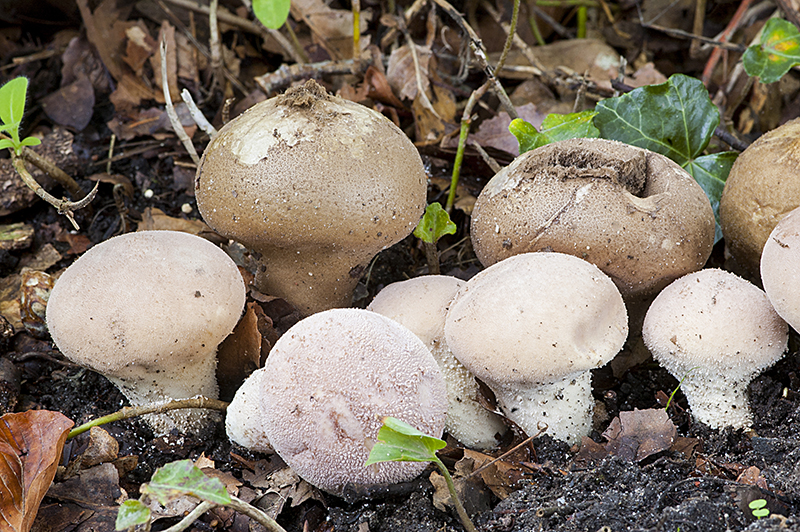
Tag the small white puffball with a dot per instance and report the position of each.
(715, 331)
(421, 305)
(780, 273)
(327, 385)
(242, 418)
(531, 327)
(147, 310)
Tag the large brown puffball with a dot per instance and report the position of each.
(633, 213)
(763, 187)
(316, 186)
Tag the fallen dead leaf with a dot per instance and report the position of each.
(239, 354)
(632, 436)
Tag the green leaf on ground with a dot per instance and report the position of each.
(131, 513)
(675, 119)
(400, 442)
(12, 105)
(271, 13)
(435, 223)
(184, 478)
(778, 51)
(555, 127)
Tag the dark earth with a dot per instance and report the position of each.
(704, 485)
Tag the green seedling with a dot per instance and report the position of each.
(778, 51)
(271, 13)
(759, 509)
(400, 442)
(12, 109)
(179, 479)
(555, 127)
(678, 387)
(435, 223)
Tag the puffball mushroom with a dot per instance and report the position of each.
(780, 273)
(327, 385)
(421, 305)
(715, 331)
(317, 186)
(763, 187)
(633, 213)
(147, 310)
(244, 414)
(531, 327)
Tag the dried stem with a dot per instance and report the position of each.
(173, 116)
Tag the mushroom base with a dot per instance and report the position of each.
(564, 407)
(716, 401)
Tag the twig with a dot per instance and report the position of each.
(214, 46)
(286, 74)
(67, 208)
(356, 5)
(197, 115)
(412, 47)
(697, 27)
(136, 411)
(488, 159)
(173, 116)
(716, 53)
(255, 514)
(192, 516)
(527, 51)
(46, 165)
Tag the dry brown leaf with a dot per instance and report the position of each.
(401, 71)
(333, 28)
(494, 131)
(154, 219)
(501, 477)
(72, 105)
(30, 445)
(433, 124)
(167, 33)
(239, 354)
(639, 434)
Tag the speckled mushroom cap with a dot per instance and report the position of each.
(243, 417)
(147, 310)
(780, 268)
(329, 382)
(421, 304)
(715, 331)
(763, 187)
(315, 184)
(633, 213)
(531, 327)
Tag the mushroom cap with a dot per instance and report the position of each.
(717, 321)
(536, 318)
(329, 382)
(151, 301)
(763, 187)
(243, 416)
(310, 181)
(633, 213)
(780, 273)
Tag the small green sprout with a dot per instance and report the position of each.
(400, 442)
(435, 223)
(555, 127)
(271, 13)
(12, 108)
(678, 387)
(759, 509)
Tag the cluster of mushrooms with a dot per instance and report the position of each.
(574, 236)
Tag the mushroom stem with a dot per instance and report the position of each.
(708, 395)
(565, 406)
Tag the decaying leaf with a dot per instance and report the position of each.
(239, 354)
(154, 219)
(35, 287)
(30, 449)
(632, 436)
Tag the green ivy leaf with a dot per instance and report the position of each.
(435, 223)
(184, 478)
(12, 105)
(778, 51)
(400, 442)
(131, 513)
(711, 172)
(271, 13)
(555, 127)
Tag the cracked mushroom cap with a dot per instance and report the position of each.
(780, 273)
(421, 304)
(316, 185)
(531, 327)
(633, 213)
(147, 310)
(328, 383)
(763, 187)
(715, 331)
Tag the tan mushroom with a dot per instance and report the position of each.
(780, 268)
(327, 385)
(316, 185)
(147, 310)
(763, 187)
(421, 304)
(531, 327)
(635, 214)
(714, 332)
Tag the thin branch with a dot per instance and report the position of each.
(255, 514)
(46, 165)
(197, 115)
(173, 116)
(192, 516)
(286, 74)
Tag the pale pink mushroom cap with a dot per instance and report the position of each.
(780, 268)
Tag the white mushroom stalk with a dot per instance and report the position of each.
(147, 310)
(531, 327)
(715, 332)
(421, 305)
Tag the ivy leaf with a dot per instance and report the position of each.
(435, 223)
(130, 514)
(555, 127)
(710, 172)
(778, 51)
(400, 442)
(271, 13)
(184, 478)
